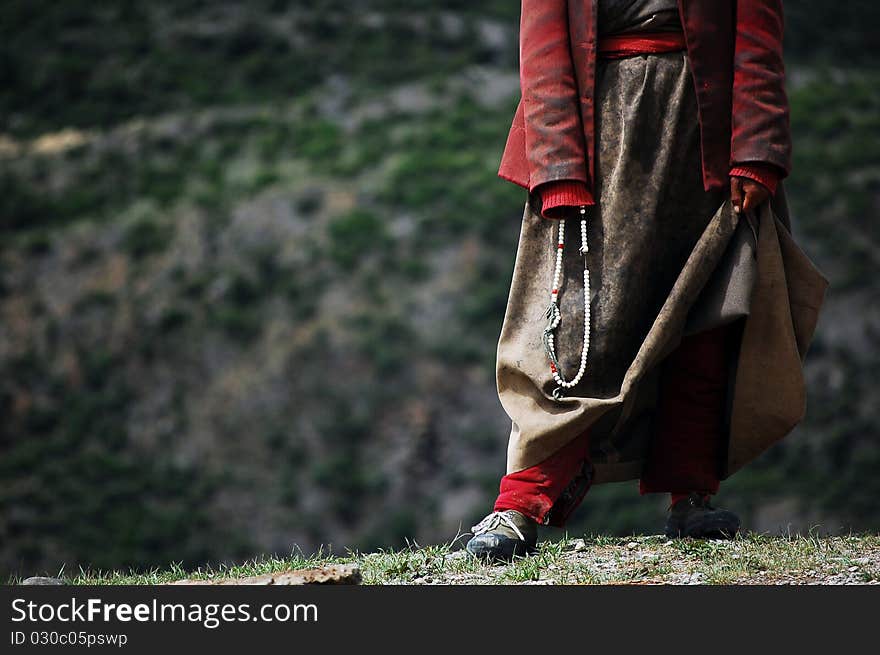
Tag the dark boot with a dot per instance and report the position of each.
(695, 517)
(501, 536)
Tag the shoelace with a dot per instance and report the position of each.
(493, 521)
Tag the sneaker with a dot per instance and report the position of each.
(501, 536)
(695, 517)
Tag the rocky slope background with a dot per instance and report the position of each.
(254, 259)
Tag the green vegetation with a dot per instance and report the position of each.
(753, 559)
(832, 114)
(83, 480)
(153, 58)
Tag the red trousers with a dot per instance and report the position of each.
(686, 450)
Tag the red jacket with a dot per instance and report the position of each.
(735, 53)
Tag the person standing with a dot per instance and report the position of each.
(659, 310)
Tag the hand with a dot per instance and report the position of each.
(746, 193)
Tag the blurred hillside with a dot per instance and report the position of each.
(254, 259)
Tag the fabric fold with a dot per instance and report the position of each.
(666, 259)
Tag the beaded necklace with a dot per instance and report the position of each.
(554, 316)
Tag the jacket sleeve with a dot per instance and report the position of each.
(760, 129)
(562, 196)
(762, 173)
(554, 137)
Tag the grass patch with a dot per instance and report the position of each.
(748, 559)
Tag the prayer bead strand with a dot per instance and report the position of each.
(554, 316)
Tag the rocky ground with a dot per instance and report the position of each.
(748, 560)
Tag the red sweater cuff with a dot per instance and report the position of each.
(558, 195)
(765, 174)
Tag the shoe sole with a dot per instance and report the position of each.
(501, 554)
